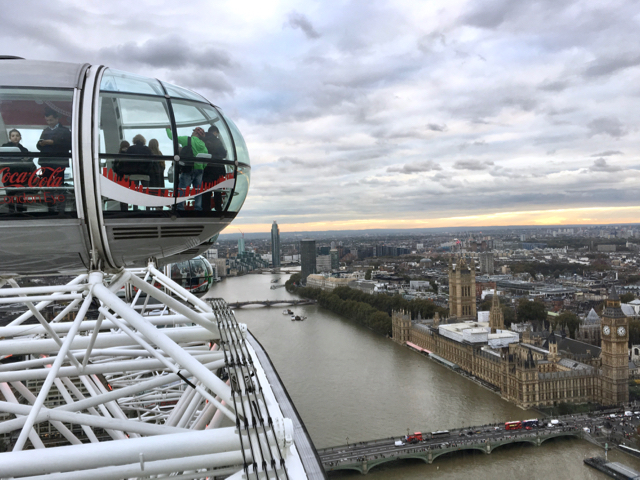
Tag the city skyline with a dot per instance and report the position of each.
(388, 114)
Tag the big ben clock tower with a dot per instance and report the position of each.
(614, 355)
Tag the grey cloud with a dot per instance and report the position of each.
(297, 20)
(556, 86)
(427, 43)
(417, 167)
(608, 153)
(554, 139)
(608, 65)
(505, 173)
(489, 14)
(488, 102)
(472, 165)
(437, 128)
(199, 81)
(355, 167)
(560, 111)
(170, 51)
(607, 125)
(601, 165)
(305, 163)
(441, 176)
(476, 143)
(293, 160)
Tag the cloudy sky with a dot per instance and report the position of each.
(373, 114)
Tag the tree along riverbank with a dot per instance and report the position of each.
(371, 311)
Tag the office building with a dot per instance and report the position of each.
(335, 260)
(275, 245)
(323, 263)
(307, 258)
(486, 263)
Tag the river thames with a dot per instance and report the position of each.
(350, 384)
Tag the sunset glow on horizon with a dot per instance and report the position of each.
(556, 217)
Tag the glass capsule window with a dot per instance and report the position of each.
(178, 92)
(196, 275)
(135, 153)
(240, 145)
(164, 152)
(36, 142)
(117, 81)
(242, 188)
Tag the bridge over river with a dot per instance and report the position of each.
(363, 456)
(273, 303)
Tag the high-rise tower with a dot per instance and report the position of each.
(307, 258)
(275, 244)
(462, 291)
(486, 263)
(614, 355)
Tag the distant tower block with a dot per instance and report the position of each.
(486, 263)
(614, 355)
(496, 316)
(462, 291)
(335, 260)
(275, 245)
(401, 326)
(307, 258)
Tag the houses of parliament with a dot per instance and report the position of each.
(527, 369)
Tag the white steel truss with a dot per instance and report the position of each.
(158, 383)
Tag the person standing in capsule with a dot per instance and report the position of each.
(191, 174)
(54, 140)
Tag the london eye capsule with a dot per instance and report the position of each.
(104, 168)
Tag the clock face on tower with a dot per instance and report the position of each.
(621, 331)
(606, 330)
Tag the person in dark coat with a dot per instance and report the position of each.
(127, 168)
(139, 167)
(17, 165)
(14, 140)
(212, 172)
(55, 141)
(157, 166)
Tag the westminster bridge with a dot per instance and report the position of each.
(273, 303)
(363, 456)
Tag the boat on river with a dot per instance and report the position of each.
(297, 318)
(287, 311)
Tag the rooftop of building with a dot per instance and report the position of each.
(573, 347)
(460, 327)
(573, 365)
(592, 318)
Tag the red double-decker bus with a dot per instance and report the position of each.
(513, 425)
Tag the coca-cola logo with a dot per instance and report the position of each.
(36, 179)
